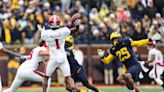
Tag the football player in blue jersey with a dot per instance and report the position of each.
(122, 49)
(77, 71)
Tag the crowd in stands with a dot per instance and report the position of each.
(137, 19)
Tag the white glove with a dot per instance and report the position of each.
(100, 52)
(143, 67)
(40, 28)
(24, 57)
(1, 45)
(141, 75)
(76, 22)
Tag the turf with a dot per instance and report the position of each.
(104, 89)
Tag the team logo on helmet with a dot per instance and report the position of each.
(54, 21)
(115, 35)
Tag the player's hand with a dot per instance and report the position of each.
(152, 42)
(100, 52)
(24, 57)
(40, 28)
(1, 45)
(76, 22)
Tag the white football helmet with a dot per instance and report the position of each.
(54, 21)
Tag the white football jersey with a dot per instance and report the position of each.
(158, 56)
(55, 39)
(34, 59)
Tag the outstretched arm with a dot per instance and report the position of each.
(73, 26)
(74, 22)
(105, 57)
(140, 42)
(8, 51)
(108, 59)
(11, 52)
(43, 53)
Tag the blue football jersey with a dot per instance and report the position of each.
(123, 51)
(74, 65)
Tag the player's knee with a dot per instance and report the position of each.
(151, 75)
(130, 87)
(45, 82)
(68, 79)
(119, 78)
(128, 76)
(46, 78)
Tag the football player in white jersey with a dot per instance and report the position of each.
(155, 59)
(55, 37)
(27, 70)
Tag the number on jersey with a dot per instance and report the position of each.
(123, 54)
(57, 44)
(30, 55)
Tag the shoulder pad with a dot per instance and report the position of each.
(127, 38)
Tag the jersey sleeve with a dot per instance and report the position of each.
(108, 57)
(139, 42)
(66, 32)
(128, 41)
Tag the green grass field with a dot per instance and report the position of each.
(104, 89)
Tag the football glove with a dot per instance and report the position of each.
(100, 52)
(24, 57)
(76, 22)
(40, 28)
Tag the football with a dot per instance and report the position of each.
(75, 17)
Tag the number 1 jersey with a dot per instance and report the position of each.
(55, 39)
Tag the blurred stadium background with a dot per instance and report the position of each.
(137, 19)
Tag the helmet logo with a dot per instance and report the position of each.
(54, 21)
(58, 20)
(51, 21)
